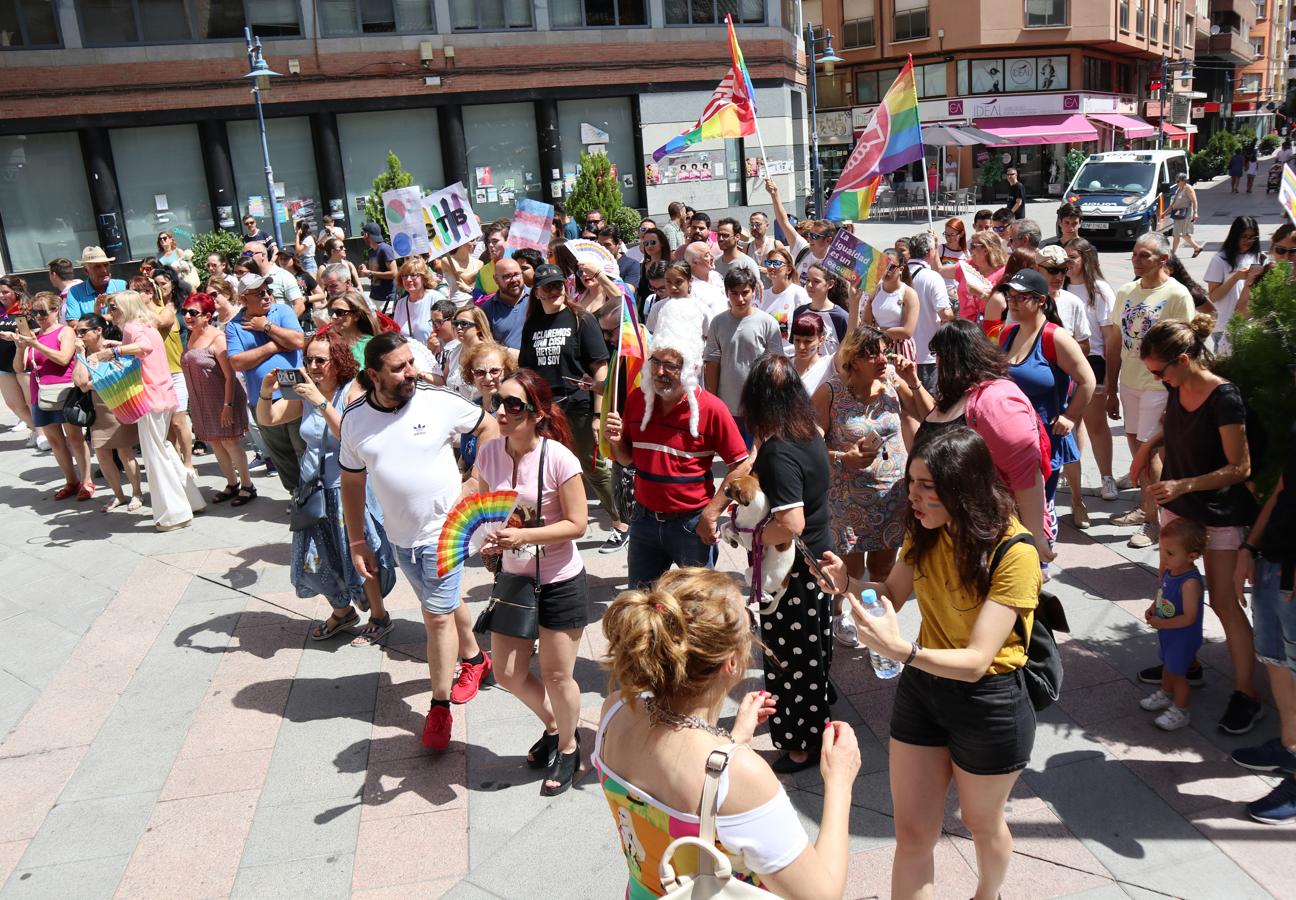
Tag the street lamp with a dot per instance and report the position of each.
(260, 75)
(829, 60)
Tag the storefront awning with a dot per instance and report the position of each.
(1026, 131)
(1133, 126)
(1173, 131)
(956, 136)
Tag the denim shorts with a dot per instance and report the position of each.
(439, 596)
(1274, 617)
(988, 725)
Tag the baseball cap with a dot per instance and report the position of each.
(1053, 255)
(548, 274)
(372, 229)
(1028, 281)
(252, 282)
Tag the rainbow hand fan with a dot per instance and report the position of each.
(473, 519)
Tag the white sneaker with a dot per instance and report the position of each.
(1172, 719)
(1145, 537)
(844, 632)
(1124, 483)
(42, 442)
(31, 440)
(1156, 700)
(1109, 490)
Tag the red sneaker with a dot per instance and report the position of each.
(469, 679)
(436, 730)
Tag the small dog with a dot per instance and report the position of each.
(751, 508)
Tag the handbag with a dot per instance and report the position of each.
(51, 397)
(78, 408)
(1043, 669)
(1179, 212)
(719, 881)
(308, 506)
(514, 606)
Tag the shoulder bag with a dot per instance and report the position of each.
(514, 607)
(720, 880)
(308, 497)
(1043, 670)
(78, 408)
(51, 397)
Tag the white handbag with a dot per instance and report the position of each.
(720, 881)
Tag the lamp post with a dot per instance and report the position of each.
(259, 75)
(830, 60)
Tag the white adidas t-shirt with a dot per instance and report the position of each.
(409, 457)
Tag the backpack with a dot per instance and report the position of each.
(1041, 430)
(1048, 344)
(1043, 669)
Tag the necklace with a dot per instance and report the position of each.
(660, 715)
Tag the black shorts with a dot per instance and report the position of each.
(1099, 366)
(564, 605)
(988, 725)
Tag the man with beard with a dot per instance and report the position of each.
(401, 435)
(670, 431)
(506, 308)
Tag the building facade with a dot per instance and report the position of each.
(120, 118)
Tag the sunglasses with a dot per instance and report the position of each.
(593, 223)
(1021, 296)
(190, 313)
(41, 313)
(998, 229)
(514, 406)
(462, 324)
(774, 264)
(344, 311)
(316, 360)
(1282, 251)
(816, 235)
(977, 246)
(1054, 270)
(82, 332)
(1159, 374)
(495, 372)
(652, 243)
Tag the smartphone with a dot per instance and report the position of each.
(811, 560)
(23, 327)
(289, 377)
(579, 381)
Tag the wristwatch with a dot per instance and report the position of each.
(321, 406)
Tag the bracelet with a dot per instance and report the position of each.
(264, 397)
(1250, 548)
(361, 541)
(913, 652)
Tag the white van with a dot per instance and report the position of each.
(1126, 193)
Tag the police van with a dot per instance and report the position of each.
(1126, 193)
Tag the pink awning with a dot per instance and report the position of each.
(1133, 126)
(1174, 132)
(1025, 131)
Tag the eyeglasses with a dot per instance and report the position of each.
(111, 307)
(341, 311)
(494, 372)
(82, 332)
(643, 230)
(462, 324)
(1159, 374)
(593, 223)
(514, 406)
(1021, 296)
(316, 360)
(669, 368)
(977, 246)
(190, 313)
(774, 264)
(951, 234)
(650, 243)
(412, 275)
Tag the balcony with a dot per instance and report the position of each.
(1230, 46)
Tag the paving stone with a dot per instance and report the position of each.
(132, 754)
(1263, 851)
(1207, 876)
(89, 829)
(10, 853)
(89, 879)
(430, 845)
(323, 877)
(36, 648)
(282, 834)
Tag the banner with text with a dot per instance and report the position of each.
(450, 218)
(854, 261)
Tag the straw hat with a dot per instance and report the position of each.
(93, 255)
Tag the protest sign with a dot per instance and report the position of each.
(403, 209)
(531, 226)
(854, 261)
(450, 215)
(1287, 192)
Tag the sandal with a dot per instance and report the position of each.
(544, 752)
(563, 772)
(86, 491)
(332, 625)
(135, 504)
(229, 492)
(374, 632)
(245, 496)
(68, 490)
(112, 504)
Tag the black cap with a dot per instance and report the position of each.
(548, 274)
(1029, 281)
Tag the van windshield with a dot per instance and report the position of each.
(1115, 177)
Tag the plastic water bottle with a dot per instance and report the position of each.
(882, 667)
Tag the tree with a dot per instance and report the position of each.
(228, 244)
(596, 188)
(394, 177)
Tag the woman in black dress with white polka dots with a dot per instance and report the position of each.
(792, 465)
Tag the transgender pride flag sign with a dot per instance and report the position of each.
(531, 226)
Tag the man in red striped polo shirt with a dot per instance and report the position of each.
(670, 431)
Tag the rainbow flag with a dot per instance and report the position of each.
(853, 205)
(632, 348)
(731, 111)
(892, 138)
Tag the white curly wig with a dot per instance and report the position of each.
(682, 334)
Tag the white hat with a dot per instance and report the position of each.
(1053, 255)
(251, 282)
(681, 334)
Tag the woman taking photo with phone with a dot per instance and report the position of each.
(1231, 273)
(539, 564)
(961, 709)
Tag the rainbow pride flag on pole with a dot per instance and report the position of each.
(632, 348)
(854, 205)
(893, 138)
(731, 111)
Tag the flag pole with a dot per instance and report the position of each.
(931, 224)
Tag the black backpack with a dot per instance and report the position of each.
(1043, 671)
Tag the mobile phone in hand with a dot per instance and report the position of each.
(811, 561)
(22, 326)
(289, 377)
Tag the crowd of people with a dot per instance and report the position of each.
(868, 420)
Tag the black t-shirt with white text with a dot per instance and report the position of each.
(554, 347)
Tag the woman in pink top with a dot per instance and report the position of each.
(172, 490)
(538, 543)
(50, 356)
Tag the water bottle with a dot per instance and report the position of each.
(882, 667)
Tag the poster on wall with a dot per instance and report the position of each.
(987, 76)
(1051, 73)
(450, 217)
(256, 206)
(1020, 75)
(403, 210)
(483, 174)
(685, 167)
(225, 216)
(337, 209)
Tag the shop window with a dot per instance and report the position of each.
(162, 185)
(345, 17)
(582, 125)
(712, 12)
(45, 200)
(110, 22)
(597, 13)
(1022, 74)
(490, 15)
(503, 157)
(911, 21)
(366, 138)
(930, 80)
(28, 23)
(1046, 13)
(870, 86)
(1097, 74)
(292, 155)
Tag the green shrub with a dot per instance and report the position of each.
(627, 219)
(596, 188)
(1203, 167)
(227, 243)
(990, 175)
(1269, 144)
(1074, 160)
(394, 177)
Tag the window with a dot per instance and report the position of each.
(910, 20)
(1022, 74)
(1260, 10)
(712, 12)
(109, 22)
(1250, 84)
(615, 118)
(870, 86)
(366, 138)
(160, 177)
(930, 80)
(1046, 13)
(1123, 15)
(830, 91)
(1138, 18)
(858, 28)
(1152, 32)
(503, 157)
(1097, 74)
(28, 23)
(490, 15)
(345, 17)
(292, 154)
(45, 199)
(596, 13)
